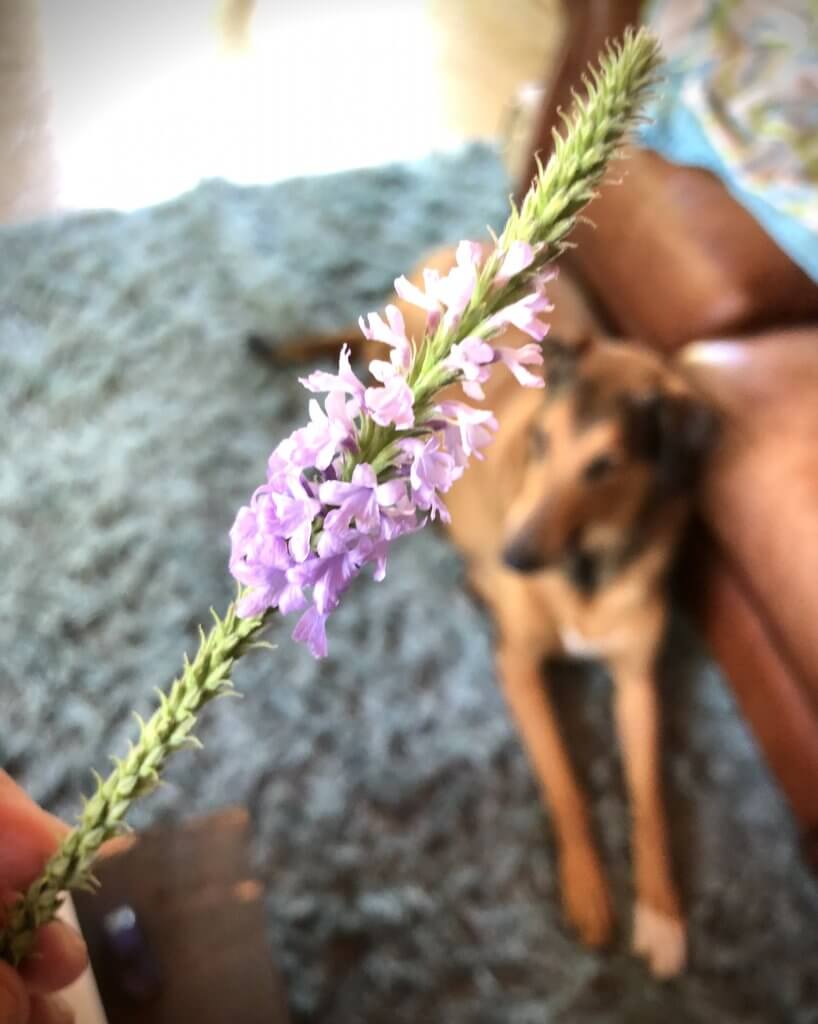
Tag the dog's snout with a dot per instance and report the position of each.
(522, 556)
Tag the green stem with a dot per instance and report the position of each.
(103, 816)
(560, 191)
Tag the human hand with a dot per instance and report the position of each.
(28, 837)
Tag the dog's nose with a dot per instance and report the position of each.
(522, 556)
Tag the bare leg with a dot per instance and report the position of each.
(659, 929)
(584, 890)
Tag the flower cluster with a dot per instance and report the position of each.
(374, 461)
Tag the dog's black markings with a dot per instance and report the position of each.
(560, 360)
(590, 571)
(592, 403)
(584, 570)
(674, 433)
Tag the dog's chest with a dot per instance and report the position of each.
(580, 646)
(601, 627)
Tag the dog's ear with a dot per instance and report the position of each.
(673, 432)
(560, 360)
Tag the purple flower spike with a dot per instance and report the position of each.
(324, 513)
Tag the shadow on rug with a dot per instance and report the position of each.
(408, 864)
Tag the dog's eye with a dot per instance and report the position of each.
(598, 468)
(538, 442)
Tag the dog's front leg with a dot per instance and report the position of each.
(584, 890)
(659, 929)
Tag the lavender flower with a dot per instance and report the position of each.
(391, 333)
(345, 381)
(516, 359)
(362, 499)
(375, 462)
(519, 257)
(472, 358)
(456, 289)
(392, 404)
(466, 431)
(311, 629)
(423, 299)
(523, 314)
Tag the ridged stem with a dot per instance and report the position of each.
(169, 729)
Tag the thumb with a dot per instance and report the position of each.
(13, 997)
(28, 836)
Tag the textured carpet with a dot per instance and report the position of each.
(408, 863)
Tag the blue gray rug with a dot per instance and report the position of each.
(408, 864)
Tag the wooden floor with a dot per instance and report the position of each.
(122, 104)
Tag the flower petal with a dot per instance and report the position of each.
(516, 359)
(311, 630)
(391, 404)
(519, 256)
(391, 492)
(468, 254)
(410, 293)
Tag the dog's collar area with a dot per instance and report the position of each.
(584, 569)
(587, 570)
(590, 570)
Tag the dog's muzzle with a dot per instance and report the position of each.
(521, 556)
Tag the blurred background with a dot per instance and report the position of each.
(125, 105)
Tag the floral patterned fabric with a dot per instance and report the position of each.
(742, 101)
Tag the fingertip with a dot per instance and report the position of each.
(50, 1010)
(28, 835)
(58, 958)
(14, 1002)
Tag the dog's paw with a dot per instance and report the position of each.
(585, 896)
(661, 939)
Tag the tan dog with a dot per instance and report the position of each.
(568, 528)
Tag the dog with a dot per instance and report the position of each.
(569, 528)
